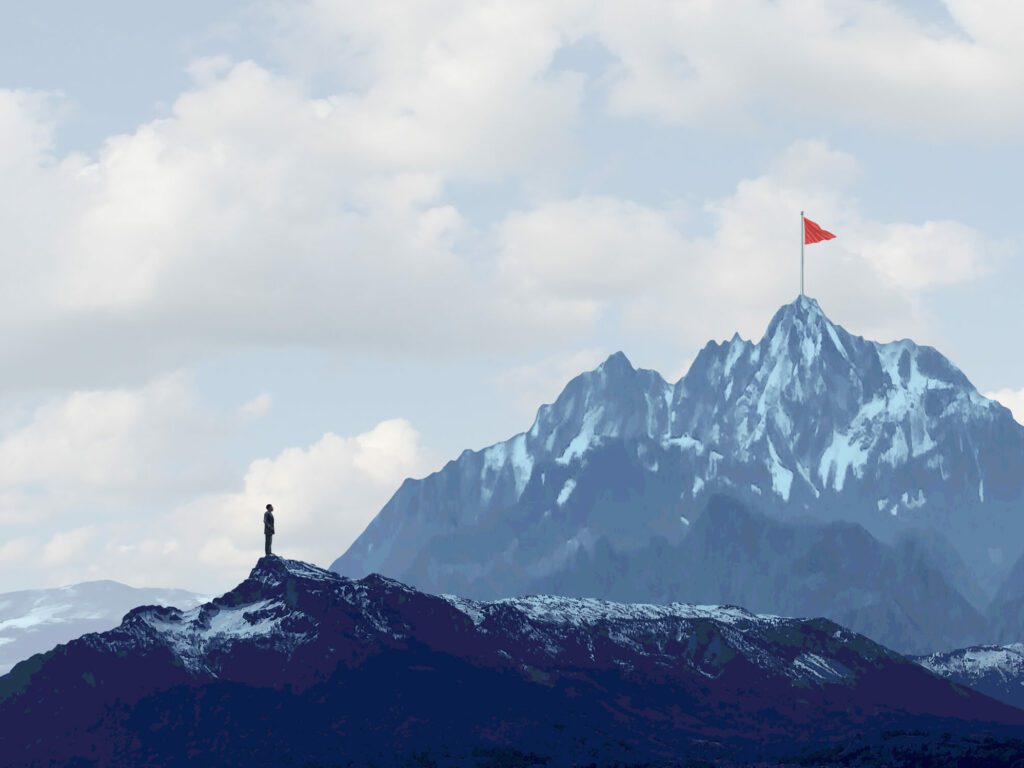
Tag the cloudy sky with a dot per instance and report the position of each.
(298, 251)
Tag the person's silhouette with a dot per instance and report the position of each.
(268, 526)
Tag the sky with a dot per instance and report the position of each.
(299, 251)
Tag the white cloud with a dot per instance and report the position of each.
(867, 63)
(587, 249)
(324, 495)
(255, 214)
(66, 545)
(16, 552)
(84, 475)
(594, 257)
(1012, 399)
(105, 480)
(462, 88)
(256, 408)
(539, 382)
(917, 257)
(111, 445)
(309, 206)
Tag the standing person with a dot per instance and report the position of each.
(268, 525)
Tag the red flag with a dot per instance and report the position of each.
(815, 234)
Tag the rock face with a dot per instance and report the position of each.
(899, 594)
(298, 665)
(35, 620)
(811, 422)
(995, 670)
(1006, 610)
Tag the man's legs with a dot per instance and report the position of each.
(269, 536)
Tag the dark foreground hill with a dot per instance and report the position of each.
(995, 670)
(298, 666)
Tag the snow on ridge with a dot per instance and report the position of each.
(190, 634)
(512, 453)
(820, 668)
(472, 608)
(782, 478)
(271, 568)
(307, 571)
(1005, 661)
(585, 438)
(566, 610)
(553, 609)
(40, 614)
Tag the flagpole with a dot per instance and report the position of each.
(803, 231)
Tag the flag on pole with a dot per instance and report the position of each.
(814, 233)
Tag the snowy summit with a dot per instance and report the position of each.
(810, 422)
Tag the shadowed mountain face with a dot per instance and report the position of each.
(809, 423)
(896, 594)
(300, 666)
(1006, 611)
(35, 620)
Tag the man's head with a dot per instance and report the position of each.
(270, 507)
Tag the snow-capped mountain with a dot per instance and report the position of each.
(33, 621)
(298, 665)
(995, 670)
(811, 421)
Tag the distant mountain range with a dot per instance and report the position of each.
(995, 670)
(33, 621)
(299, 666)
(894, 491)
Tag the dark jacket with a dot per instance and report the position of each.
(268, 522)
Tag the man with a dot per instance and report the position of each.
(268, 525)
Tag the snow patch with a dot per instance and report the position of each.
(566, 492)
(782, 478)
(821, 669)
(588, 611)
(841, 456)
(512, 453)
(586, 437)
(1005, 662)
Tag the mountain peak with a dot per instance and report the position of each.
(617, 363)
(803, 312)
(809, 420)
(805, 304)
(272, 569)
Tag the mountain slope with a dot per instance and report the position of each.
(810, 422)
(995, 670)
(32, 621)
(1006, 611)
(300, 666)
(896, 594)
